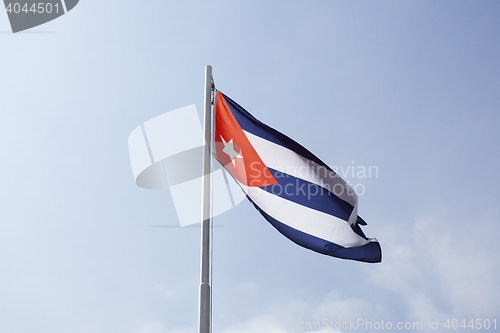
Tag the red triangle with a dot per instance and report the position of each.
(234, 150)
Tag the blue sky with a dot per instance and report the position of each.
(409, 87)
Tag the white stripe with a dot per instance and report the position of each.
(305, 219)
(285, 160)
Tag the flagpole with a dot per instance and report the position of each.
(205, 293)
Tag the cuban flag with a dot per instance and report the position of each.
(295, 191)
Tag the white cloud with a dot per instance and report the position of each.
(159, 327)
(286, 312)
(268, 323)
(152, 327)
(261, 324)
(440, 267)
(443, 267)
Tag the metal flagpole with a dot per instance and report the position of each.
(205, 294)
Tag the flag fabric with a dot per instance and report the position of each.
(302, 197)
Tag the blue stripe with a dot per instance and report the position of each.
(369, 252)
(250, 124)
(308, 194)
(360, 221)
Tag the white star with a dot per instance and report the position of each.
(229, 150)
